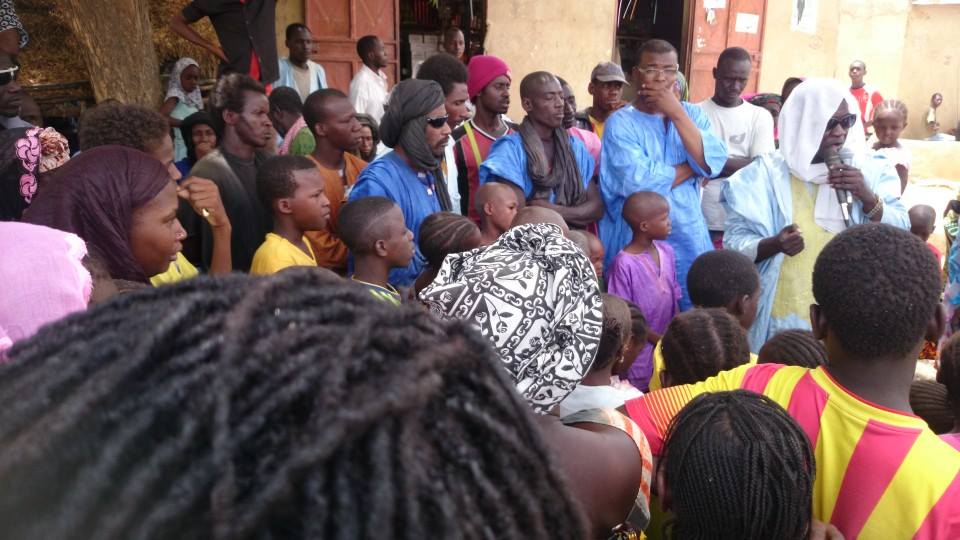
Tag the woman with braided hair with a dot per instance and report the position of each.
(292, 406)
(736, 465)
(700, 343)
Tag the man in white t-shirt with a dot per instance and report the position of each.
(747, 130)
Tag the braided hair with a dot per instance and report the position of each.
(738, 466)
(949, 373)
(793, 348)
(443, 233)
(293, 406)
(615, 333)
(891, 105)
(700, 343)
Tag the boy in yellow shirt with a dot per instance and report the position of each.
(378, 238)
(291, 188)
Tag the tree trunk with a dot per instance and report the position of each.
(118, 49)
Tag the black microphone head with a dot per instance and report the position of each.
(846, 156)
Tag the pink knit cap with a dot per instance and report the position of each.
(482, 70)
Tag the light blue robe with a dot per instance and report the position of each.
(318, 77)
(416, 195)
(639, 154)
(759, 205)
(508, 161)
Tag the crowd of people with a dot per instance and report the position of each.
(301, 311)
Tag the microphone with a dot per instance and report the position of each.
(844, 198)
(846, 156)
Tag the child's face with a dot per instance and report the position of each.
(309, 205)
(936, 100)
(888, 126)
(659, 226)
(398, 243)
(190, 78)
(502, 209)
(933, 127)
(596, 254)
(750, 307)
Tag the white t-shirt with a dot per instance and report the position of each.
(748, 132)
(584, 398)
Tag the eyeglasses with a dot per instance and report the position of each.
(438, 122)
(847, 121)
(650, 73)
(8, 75)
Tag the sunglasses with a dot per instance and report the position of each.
(8, 75)
(847, 121)
(438, 122)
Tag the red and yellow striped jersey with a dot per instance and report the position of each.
(880, 473)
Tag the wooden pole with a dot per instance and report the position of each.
(118, 49)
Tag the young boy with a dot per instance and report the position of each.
(645, 273)
(376, 234)
(881, 472)
(923, 220)
(596, 254)
(291, 188)
(496, 204)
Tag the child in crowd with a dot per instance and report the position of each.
(889, 121)
(700, 343)
(441, 234)
(596, 390)
(496, 204)
(933, 128)
(929, 401)
(645, 274)
(949, 376)
(291, 188)
(923, 221)
(596, 254)
(793, 348)
(580, 239)
(374, 231)
(724, 279)
(737, 466)
(183, 99)
(636, 343)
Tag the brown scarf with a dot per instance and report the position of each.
(563, 178)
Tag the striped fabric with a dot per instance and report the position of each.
(880, 473)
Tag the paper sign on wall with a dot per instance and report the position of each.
(714, 4)
(804, 16)
(747, 23)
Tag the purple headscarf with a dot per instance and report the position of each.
(94, 195)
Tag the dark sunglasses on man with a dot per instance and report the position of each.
(8, 75)
(438, 122)
(847, 121)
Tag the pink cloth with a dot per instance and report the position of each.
(42, 278)
(291, 134)
(482, 70)
(953, 439)
(591, 141)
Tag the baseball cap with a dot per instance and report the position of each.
(608, 72)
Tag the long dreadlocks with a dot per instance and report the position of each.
(738, 466)
(283, 407)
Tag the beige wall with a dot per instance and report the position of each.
(910, 51)
(559, 36)
(288, 12)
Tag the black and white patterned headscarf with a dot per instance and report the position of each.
(535, 296)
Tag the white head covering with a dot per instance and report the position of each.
(803, 121)
(175, 89)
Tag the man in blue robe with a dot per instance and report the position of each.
(660, 144)
(415, 126)
(547, 166)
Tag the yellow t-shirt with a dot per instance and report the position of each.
(276, 253)
(658, 366)
(178, 270)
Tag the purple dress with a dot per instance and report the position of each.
(654, 290)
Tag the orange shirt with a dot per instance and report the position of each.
(880, 473)
(329, 250)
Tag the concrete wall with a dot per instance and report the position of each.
(909, 49)
(288, 12)
(559, 36)
(931, 63)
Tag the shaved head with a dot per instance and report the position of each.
(580, 239)
(642, 206)
(532, 85)
(318, 105)
(492, 192)
(538, 214)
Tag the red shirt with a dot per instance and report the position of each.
(868, 98)
(468, 167)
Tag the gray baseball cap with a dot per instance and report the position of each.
(608, 72)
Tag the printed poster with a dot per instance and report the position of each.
(804, 17)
